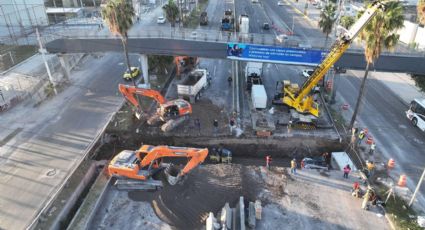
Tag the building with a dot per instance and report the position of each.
(20, 17)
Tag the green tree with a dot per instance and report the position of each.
(347, 21)
(171, 12)
(421, 11)
(419, 81)
(118, 15)
(380, 33)
(327, 20)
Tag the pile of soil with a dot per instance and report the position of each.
(206, 189)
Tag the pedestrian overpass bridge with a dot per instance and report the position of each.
(213, 44)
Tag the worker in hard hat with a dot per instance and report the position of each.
(294, 166)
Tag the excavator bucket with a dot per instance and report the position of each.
(172, 173)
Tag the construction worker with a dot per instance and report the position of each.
(215, 125)
(362, 135)
(198, 125)
(230, 79)
(294, 166)
(370, 167)
(268, 161)
(372, 148)
(347, 170)
(356, 190)
(232, 124)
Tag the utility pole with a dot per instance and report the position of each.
(417, 188)
(43, 51)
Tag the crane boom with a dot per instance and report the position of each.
(301, 100)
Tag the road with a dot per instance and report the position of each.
(51, 138)
(383, 113)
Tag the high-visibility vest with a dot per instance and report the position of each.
(293, 164)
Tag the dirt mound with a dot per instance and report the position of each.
(206, 189)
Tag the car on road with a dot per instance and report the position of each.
(194, 35)
(281, 38)
(266, 26)
(160, 20)
(307, 72)
(280, 3)
(135, 72)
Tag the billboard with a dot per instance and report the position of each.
(284, 55)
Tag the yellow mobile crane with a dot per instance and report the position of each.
(301, 99)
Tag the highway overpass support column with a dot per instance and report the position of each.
(65, 66)
(144, 64)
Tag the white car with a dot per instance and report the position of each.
(160, 20)
(281, 38)
(280, 3)
(307, 72)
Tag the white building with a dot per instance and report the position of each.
(18, 17)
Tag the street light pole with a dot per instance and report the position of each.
(43, 51)
(417, 188)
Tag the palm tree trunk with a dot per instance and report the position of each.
(124, 45)
(326, 40)
(359, 98)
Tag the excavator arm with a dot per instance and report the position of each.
(302, 101)
(130, 92)
(196, 155)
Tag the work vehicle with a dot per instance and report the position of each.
(281, 38)
(134, 73)
(301, 98)
(185, 64)
(193, 85)
(416, 113)
(203, 19)
(132, 167)
(253, 79)
(314, 163)
(307, 72)
(172, 112)
(160, 20)
(221, 155)
(253, 68)
(259, 97)
(228, 21)
(243, 26)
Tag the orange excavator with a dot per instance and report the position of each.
(134, 169)
(172, 112)
(185, 63)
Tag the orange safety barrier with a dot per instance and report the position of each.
(402, 181)
(329, 84)
(391, 163)
(369, 140)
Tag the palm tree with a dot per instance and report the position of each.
(379, 33)
(327, 20)
(171, 12)
(421, 11)
(347, 21)
(118, 15)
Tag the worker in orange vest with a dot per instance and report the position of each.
(268, 161)
(294, 166)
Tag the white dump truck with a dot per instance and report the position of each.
(191, 87)
(243, 26)
(258, 97)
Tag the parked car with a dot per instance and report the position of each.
(160, 20)
(266, 26)
(307, 73)
(280, 3)
(281, 38)
(135, 72)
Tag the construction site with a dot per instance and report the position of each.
(191, 150)
(185, 161)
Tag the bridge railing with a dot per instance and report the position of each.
(52, 33)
